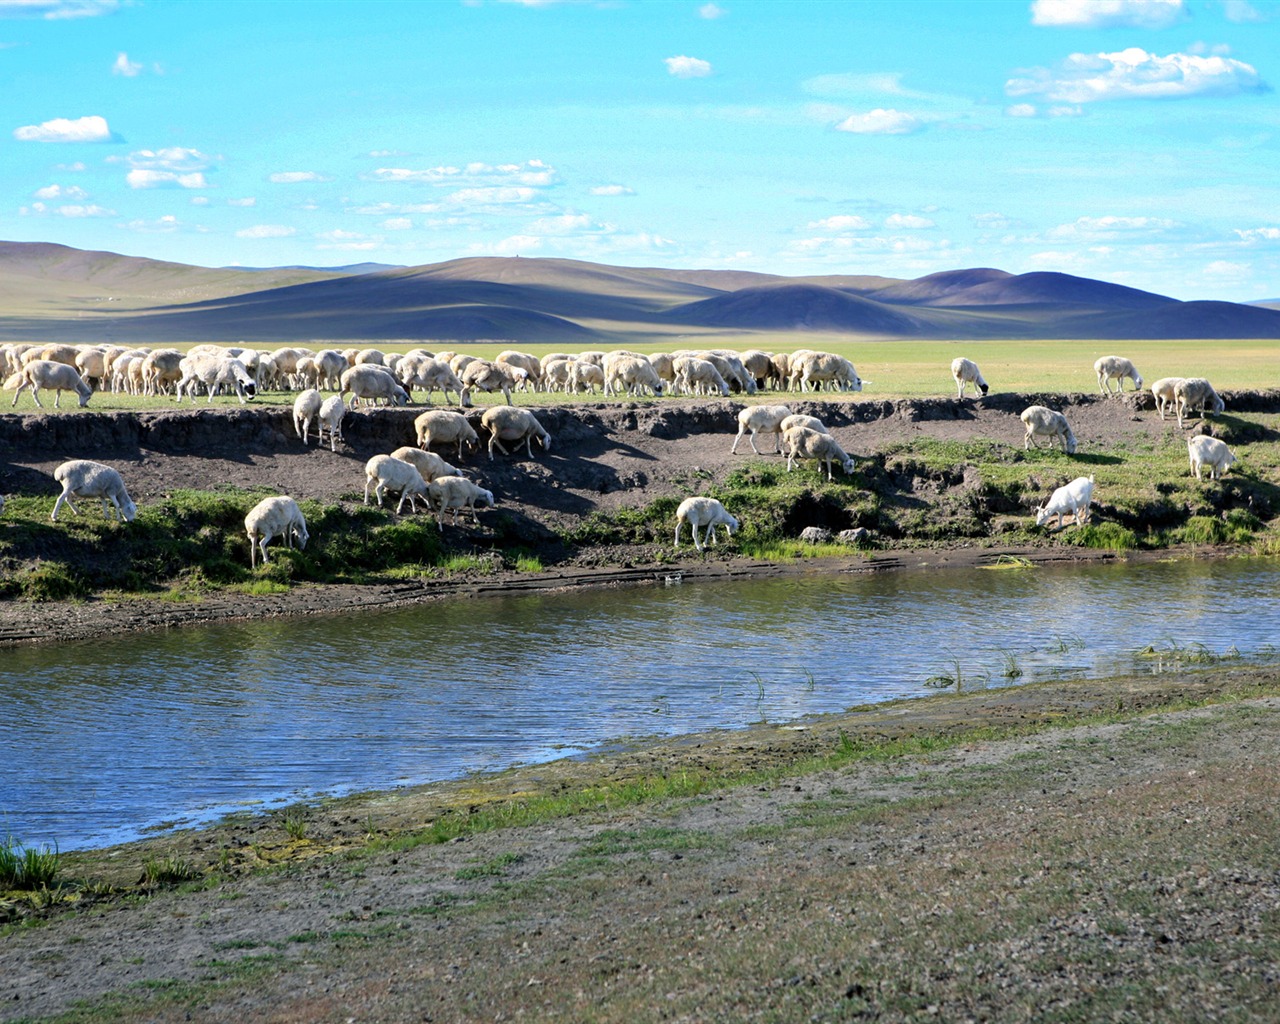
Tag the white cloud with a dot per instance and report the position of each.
(62, 129)
(61, 192)
(570, 224)
(1258, 234)
(847, 244)
(1066, 112)
(246, 201)
(165, 179)
(386, 209)
(880, 122)
(531, 172)
(161, 225)
(397, 224)
(840, 222)
(991, 221)
(687, 67)
(468, 196)
(1225, 270)
(710, 12)
(612, 190)
(1022, 110)
(76, 167)
(124, 66)
(1107, 13)
(1112, 227)
(1241, 11)
(57, 10)
(1136, 74)
(173, 158)
(294, 177)
(908, 220)
(266, 231)
(201, 201)
(74, 211)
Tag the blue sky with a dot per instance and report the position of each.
(1135, 141)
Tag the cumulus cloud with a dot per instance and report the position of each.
(267, 231)
(908, 220)
(880, 122)
(62, 129)
(1110, 228)
(840, 222)
(1241, 11)
(174, 158)
(1136, 74)
(709, 12)
(531, 172)
(246, 201)
(1258, 234)
(612, 190)
(294, 177)
(386, 209)
(57, 10)
(140, 178)
(160, 226)
(61, 192)
(489, 196)
(126, 67)
(687, 67)
(1022, 110)
(397, 224)
(73, 210)
(1107, 13)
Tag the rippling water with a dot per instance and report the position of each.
(100, 741)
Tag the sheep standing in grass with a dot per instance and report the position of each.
(696, 376)
(455, 493)
(385, 473)
(803, 443)
(428, 373)
(965, 372)
(57, 376)
(761, 419)
(274, 517)
(1196, 393)
(213, 371)
(371, 382)
(488, 377)
(82, 478)
(706, 514)
(1163, 391)
(1116, 368)
(1209, 451)
(1073, 498)
(633, 374)
(332, 411)
(305, 409)
(510, 423)
(443, 426)
(1044, 422)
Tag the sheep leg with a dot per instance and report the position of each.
(63, 498)
(752, 439)
(694, 527)
(679, 523)
(734, 449)
(528, 444)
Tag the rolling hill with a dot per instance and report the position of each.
(53, 292)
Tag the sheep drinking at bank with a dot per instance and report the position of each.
(385, 473)
(804, 443)
(56, 376)
(1209, 451)
(455, 493)
(706, 514)
(274, 517)
(1044, 422)
(512, 423)
(1073, 498)
(82, 478)
(761, 419)
(966, 372)
(1116, 368)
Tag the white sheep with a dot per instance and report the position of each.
(1196, 393)
(761, 419)
(813, 370)
(57, 376)
(429, 464)
(705, 513)
(1043, 422)
(213, 371)
(82, 478)
(428, 373)
(385, 473)
(1163, 391)
(488, 377)
(278, 516)
(330, 362)
(161, 369)
(305, 408)
(731, 369)
(332, 410)
(454, 493)
(1116, 368)
(634, 374)
(965, 372)
(371, 381)
(698, 376)
(804, 443)
(510, 423)
(801, 420)
(1209, 451)
(1073, 498)
(442, 426)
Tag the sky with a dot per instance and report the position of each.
(1133, 141)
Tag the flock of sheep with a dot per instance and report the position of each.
(415, 473)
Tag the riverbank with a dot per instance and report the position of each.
(1074, 850)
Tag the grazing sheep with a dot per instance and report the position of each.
(213, 371)
(488, 377)
(1163, 392)
(555, 374)
(428, 373)
(1209, 451)
(965, 372)
(1196, 393)
(305, 408)
(369, 357)
(525, 361)
(330, 363)
(509, 423)
(331, 413)
(803, 443)
(1116, 368)
(274, 517)
(819, 368)
(707, 513)
(454, 493)
(81, 478)
(161, 370)
(757, 364)
(57, 376)
(386, 473)
(429, 464)
(91, 362)
(441, 426)
(584, 376)
(1073, 498)
(1043, 422)
(761, 419)
(632, 374)
(698, 376)
(371, 381)
(800, 420)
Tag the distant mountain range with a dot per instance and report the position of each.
(54, 292)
